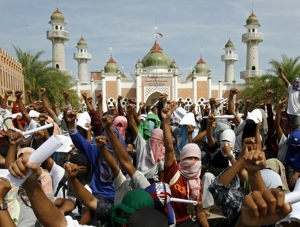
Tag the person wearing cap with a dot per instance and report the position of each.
(288, 148)
(293, 108)
(183, 178)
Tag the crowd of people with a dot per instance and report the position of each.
(159, 165)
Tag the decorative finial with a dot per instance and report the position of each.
(110, 50)
(252, 7)
(201, 50)
(57, 4)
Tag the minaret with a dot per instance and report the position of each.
(82, 56)
(58, 36)
(229, 58)
(252, 38)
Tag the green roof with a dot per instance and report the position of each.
(111, 66)
(156, 57)
(252, 20)
(81, 42)
(201, 66)
(57, 16)
(229, 44)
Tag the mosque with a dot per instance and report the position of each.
(156, 72)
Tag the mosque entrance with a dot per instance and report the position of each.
(152, 98)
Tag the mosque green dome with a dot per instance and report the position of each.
(57, 16)
(111, 66)
(201, 66)
(229, 44)
(252, 20)
(173, 64)
(81, 42)
(156, 57)
(139, 64)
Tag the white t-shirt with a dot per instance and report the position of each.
(294, 101)
(123, 185)
(143, 158)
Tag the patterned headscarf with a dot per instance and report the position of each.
(191, 170)
(155, 144)
(123, 121)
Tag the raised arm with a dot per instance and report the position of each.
(120, 108)
(131, 120)
(168, 141)
(22, 108)
(88, 101)
(15, 139)
(29, 96)
(118, 148)
(283, 77)
(3, 102)
(100, 106)
(236, 120)
(46, 103)
(81, 193)
(101, 142)
(278, 129)
(209, 130)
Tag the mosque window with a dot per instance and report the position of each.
(253, 30)
(57, 66)
(253, 67)
(56, 27)
(60, 27)
(230, 52)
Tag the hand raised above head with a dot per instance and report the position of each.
(71, 170)
(8, 93)
(255, 159)
(18, 93)
(233, 91)
(107, 121)
(100, 141)
(42, 91)
(65, 94)
(84, 96)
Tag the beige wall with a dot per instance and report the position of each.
(111, 89)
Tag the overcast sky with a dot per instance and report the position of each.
(128, 27)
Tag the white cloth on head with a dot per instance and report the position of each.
(255, 116)
(83, 119)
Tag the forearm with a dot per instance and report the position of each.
(230, 173)
(47, 106)
(120, 152)
(43, 208)
(270, 118)
(89, 106)
(255, 180)
(67, 206)
(83, 195)
(209, 134)
(5, 219)
(30, 99)
(190, 138)
(11, 155)
(231, 104)
(200, 137)
(110, 161)
(277, 118)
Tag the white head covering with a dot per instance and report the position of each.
(83, 119)
(33, 113)
(255, 116)
(179, 113)
(188, 119)
(229, 136)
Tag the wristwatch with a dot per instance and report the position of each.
(3, 206)
(230, 157)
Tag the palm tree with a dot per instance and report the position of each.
(38, 74)
(256, 90)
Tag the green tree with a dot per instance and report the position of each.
(256, 90)
(38, 74)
